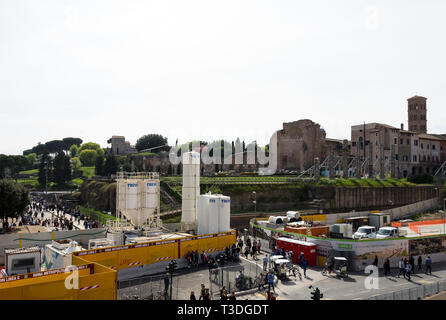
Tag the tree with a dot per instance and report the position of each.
(17, 164)
(89, 146)
(45, 169)
(110, 166)
(151, 141)
(68, 142)
(54, 146)
(62, 168)
(75, 163)
(14, 198)
(74, 151)
(99, 166)
(31, 160)
(100, 152)
(5, 163)
(88, 157)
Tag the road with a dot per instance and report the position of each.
(354, 287)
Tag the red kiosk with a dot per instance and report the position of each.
(297, 246)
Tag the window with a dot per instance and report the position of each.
(395, 141)
(414, 158)
(433, 147)
(415, 142)
(401, 141)
(353, 144)
(427, 146)
(396, 157)
(23, 263)
(408, 141)
(422, 146)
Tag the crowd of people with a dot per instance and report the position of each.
(206, 296)
(62, 218)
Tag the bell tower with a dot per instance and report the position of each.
(417, 114)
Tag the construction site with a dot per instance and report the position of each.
(89, 264)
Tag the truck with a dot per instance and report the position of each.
(390, 232)
(365, 232)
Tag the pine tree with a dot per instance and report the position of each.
(99, 166)
(62, 168)
(45, 169)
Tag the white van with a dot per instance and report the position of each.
(365, 232)
(389, 232)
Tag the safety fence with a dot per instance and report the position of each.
(150, 288)
(415, 293)
(227, 277)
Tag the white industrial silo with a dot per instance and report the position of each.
(224, 213)
(206, 203)
(214, 213)
(138, 198)
(191, 189)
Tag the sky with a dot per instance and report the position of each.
(207, 70)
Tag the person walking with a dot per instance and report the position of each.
(192, 296)
(375, 262)
(408, 270)
(271, 282)
(420, 263)
(261, 281)
(265, 263)
(402, 267)
(429, 264)
(387, 267)
(304, 266)
(166, 285)
(232, 297)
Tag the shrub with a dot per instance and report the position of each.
(421, 178)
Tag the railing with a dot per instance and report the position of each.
(415, 293)
(226, 277)
(149, 288)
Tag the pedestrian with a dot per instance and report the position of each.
(271, 281)
(246, 252)
(304, 266)
(265, 263)
(375, 262)
(202, 292)
(408, 271)
(192, 296)
(232, 297)
(420, 263)
(429, 264)
(207, 296)
(387, 267)
(166, 284)
(401, 265)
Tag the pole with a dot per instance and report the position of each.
(444, 214)
(171, 278)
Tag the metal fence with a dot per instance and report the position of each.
(414, 293)
(226, 277)
(149, 288)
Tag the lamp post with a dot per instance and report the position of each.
(444, 213)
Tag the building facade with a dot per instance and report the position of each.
(121, 147)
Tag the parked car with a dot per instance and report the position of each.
(365, 232)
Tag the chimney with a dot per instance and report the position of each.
(402, 126)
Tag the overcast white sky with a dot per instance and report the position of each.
(214, 69)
